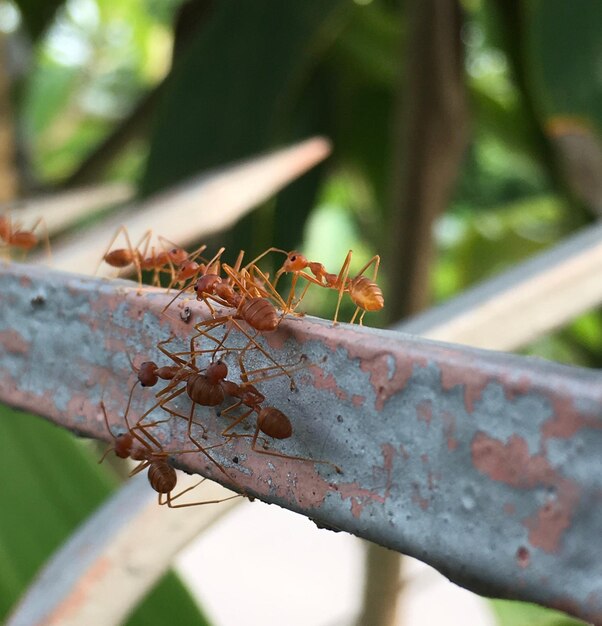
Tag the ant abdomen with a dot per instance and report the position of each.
(202, 391)
(366, 294)
(274, 423)
(119, 258)
(162, 476)
(259, 313)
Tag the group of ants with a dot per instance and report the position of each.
(250, 305)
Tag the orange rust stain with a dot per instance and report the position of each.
(567, 420)
(328, 381)
(515, 389)
(549, 522)
(115, 345)
(13, 342)
(361, 496)
(358, 400)
(449, 429)
(383, 383)
(523, 557)
(79, 597)
(424, 411)
(25, 281)
(512, 464)
(423, 503)
(509, 508)
(452, 376)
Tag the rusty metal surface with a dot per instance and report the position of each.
(488, 466)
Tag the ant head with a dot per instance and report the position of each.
(206, 283)
(123, 445)
(217, 371)
(147, 374)
(178, 255)
(295, 262)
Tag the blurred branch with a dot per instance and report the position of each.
(64, 209)
(512, 25)
(195, 209)
(430, 139)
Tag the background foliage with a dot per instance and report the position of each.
(154, 91)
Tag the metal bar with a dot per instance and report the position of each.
(523, 303)
(487, 466)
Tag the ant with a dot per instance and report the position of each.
(207, 387)
(270, 421)
(13, 235)
(169, 256)
(210, 387)
(161, 475)
(364, 292)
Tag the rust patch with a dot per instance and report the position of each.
(509, 508)
(385, 385)
(548, 523)
(512, 464)
(13, 342)
(358, 400)
(567, 420)
(328, 382)
(25, 281)
(424, 411)
(115, 345)
(453, 375)
(361, 496)
(423, 503)
(523, 557)
(449, 429)
(515, 389)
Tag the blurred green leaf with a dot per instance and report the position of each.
(523, 614)
(38, 15)
(564, 57)
(232, 92)
(53, 482)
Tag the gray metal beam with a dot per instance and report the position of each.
(488, 466)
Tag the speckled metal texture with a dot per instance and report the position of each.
(486, 465)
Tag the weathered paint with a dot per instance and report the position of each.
(486, 465)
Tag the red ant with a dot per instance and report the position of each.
(13, 235)
(209, 388)
(270, 421)
(161, 475)
(364, 292)
(169, 256)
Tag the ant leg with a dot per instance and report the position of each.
(170, 498)
(121, 229)
(289, 456)
(264, 352)
(341, 283)
(254, 261)
(241, 418)
(42, 221)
